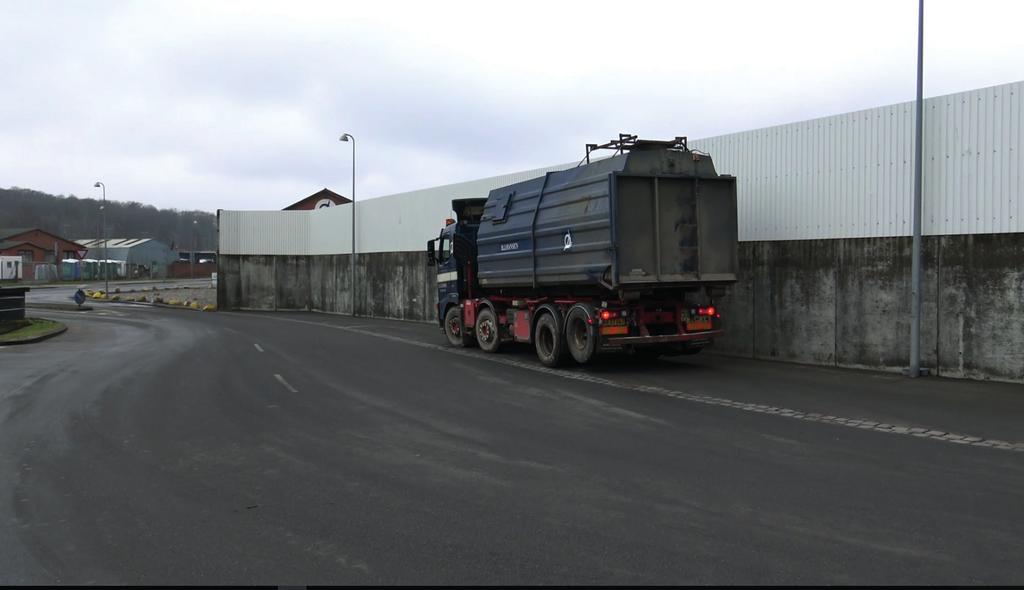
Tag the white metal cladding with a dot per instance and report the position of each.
(844, 176)
(264, 232)
(399, 222)
(851, 175)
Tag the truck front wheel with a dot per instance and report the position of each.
(487, 334)
(453, 329)
(549, 341)
(580, 335)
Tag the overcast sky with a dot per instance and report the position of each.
(230, 105)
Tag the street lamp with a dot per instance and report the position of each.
(352, 258)
(103, 234)
(915, 261)
(192, 258)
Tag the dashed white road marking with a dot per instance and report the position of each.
(861, 423)
(258, 347)
(285, 383)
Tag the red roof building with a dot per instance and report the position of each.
(36, 246)
(318, 200)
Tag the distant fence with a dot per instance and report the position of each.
(18, 271)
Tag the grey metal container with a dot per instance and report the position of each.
(650, 217)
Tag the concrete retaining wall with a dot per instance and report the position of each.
(831, 302)
(394, 285)
(847, 303)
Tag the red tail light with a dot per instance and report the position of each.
(710, 310)
(606, 315)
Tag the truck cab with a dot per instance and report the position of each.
(452, 254)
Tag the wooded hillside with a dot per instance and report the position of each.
(72, 217)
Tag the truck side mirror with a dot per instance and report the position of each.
(431, 254)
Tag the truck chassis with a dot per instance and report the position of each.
(582, 328)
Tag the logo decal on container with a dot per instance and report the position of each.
(567, 241)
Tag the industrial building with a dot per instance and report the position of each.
(824, 223)
(36, 253)
(321, 199)
(136, 257)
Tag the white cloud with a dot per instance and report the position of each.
(240, 104)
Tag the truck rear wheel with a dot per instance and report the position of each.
(487, 334)
(453, 329)
(549, 341)
(580, 336)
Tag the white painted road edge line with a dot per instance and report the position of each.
(861, 423)
(258, 347)
(285, 383)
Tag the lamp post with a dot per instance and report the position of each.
(103, 234)
(192, 258)
(915, 265)
(352, 259)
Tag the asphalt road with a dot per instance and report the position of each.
(153, 446)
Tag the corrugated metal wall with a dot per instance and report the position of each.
(843, 176)
(401, 222)
(265, 232)
(851, 175)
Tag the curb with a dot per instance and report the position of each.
(34, 339)
(59, 306)
(164, 305)
(185, 307)
(33, 287)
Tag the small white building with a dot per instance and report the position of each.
(10, 268)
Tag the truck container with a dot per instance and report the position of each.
(622, 253)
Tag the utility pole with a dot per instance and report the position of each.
(352, 258)
(103, 236)
(192, 256)
(915, 272)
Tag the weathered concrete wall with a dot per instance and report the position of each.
(738, 311)
(388, 284)
(847, 303)
(832, 302)
(873, 302)
(794, 300)
(980, 315)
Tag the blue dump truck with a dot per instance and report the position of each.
(625, 253)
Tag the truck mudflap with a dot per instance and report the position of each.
(664, 339)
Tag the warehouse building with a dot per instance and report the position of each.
(33, 253)
(824, 223)
(136, 257)
(321, 199)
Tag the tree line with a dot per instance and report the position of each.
(72, 217)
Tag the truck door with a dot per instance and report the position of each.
(447, 272)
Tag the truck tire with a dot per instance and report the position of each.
(580, 335)
(488, 335)
(453, 329)
(549, 341)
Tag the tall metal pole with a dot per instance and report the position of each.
(352, 258)
(915, 272)
(192, 258)
(103, 236)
